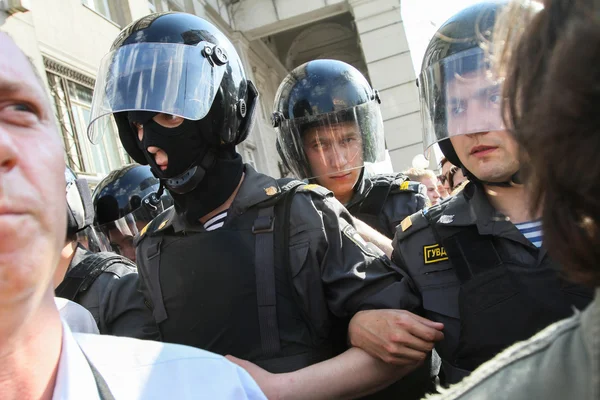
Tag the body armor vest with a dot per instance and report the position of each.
(230, 290)
(502, 297)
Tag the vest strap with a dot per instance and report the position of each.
(153, 259)
(265, 280)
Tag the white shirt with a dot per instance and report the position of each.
(76, 316)
(140, 369)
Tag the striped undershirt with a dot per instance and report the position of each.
(532, 231)
(216, 222)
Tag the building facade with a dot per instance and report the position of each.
(66, 39)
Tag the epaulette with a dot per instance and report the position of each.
(412, 224)
(402, 184)
(159, 223)
(317, 189)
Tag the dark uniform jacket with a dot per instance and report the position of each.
(384, 200)
(208, 289)
(561, 362)
(114, 301)
(482, 278)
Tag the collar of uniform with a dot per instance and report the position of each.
(471, 207)
(478, 211)
(364, 186)
(252, 191)
(74, 378)
(80, 254)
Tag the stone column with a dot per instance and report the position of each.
(383, 39)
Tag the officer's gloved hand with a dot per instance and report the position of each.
(395, 336)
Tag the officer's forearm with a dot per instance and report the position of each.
(352, 374)
(371, 235)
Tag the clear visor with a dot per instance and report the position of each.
(121, 232)
(335, 143)
(93, 240)
(459, 95)
(168, 78)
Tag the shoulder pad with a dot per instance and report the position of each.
(383, 179)
(159, 223)
(121, 267)
(412, 224)
(317, 189)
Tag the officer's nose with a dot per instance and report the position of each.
(338, 156)
(481, 118)
(160, 157)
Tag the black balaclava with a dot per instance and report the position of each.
(215, 169)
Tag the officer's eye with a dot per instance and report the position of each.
(320, 145)
(458, 107)
(495, 98)
(168, 120)
(348, 140)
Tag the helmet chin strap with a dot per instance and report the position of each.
(191, 178)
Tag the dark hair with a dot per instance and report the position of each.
(552, 95)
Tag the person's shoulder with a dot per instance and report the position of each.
(165, 370)
(138, 352)
(76, 316)
(419, 221)
(531, 369)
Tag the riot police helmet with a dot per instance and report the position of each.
(459, 89)
(126, 201)
(80, 214)
(328, 120)
(180, 66)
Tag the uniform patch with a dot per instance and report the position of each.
(144, 229)
(310, 186)
(354, 236)
(404, 185)
(406, 223)
(271, 191)
(434, 253)
(446, 219)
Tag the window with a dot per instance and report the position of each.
(112, 10)
(72, 96)
(100, 6)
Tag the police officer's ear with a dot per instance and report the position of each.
(247, 111)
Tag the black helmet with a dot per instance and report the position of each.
(179, 64)
(126, 201)
(80, 211)
(456, 51)
(80, 214)
(321, 94)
